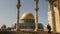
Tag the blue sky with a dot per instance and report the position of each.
(8, 11)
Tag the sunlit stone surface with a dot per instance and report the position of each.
(54, 14)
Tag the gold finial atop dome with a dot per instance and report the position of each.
(27, 15)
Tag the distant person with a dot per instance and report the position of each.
(49, 28)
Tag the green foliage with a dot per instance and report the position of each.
(3, 27)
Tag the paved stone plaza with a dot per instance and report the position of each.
(24, 32)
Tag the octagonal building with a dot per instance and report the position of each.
(27, 21)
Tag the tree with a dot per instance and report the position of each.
(9, 28)
(3, 27)
(40, 26)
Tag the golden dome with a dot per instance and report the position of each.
(27, 15)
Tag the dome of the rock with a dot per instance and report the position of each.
(27, 15)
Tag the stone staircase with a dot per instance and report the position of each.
(24, 32)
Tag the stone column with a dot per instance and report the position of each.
(18, 7)
(36, 18)
(57, 10)
(53, 18)
(51, 15)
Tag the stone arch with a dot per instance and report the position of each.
(54, 14)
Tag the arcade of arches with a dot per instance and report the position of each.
(54, 14)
